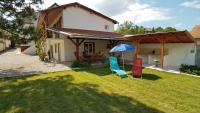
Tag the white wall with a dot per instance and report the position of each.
(53, 41)
(178, 53)
(70, 48)
(77, 18)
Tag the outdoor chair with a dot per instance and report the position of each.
(114, 67)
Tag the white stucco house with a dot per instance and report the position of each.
(76, 31)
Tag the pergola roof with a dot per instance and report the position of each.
(88, 34)
(169, 37)
(196, 31)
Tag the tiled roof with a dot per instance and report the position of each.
(170, 37)
(89, 33)
(196, 31)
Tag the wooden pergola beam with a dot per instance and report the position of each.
(113, 42)
(77, 43)
(137, 45)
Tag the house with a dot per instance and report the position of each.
(75, 31)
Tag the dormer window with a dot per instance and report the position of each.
(106, 27)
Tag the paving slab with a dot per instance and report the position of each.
(15, 63)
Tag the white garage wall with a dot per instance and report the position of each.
(178, 53)
(77, 18)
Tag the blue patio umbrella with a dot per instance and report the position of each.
(122, 48)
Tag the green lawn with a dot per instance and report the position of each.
(97, 90)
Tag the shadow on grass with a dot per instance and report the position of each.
(6, 73)
(150, 76)
(100, 71)
(61, 94)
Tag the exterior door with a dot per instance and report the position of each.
(89, 48)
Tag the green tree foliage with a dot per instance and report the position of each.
(13, 14)
(129, 28)
(125, 28)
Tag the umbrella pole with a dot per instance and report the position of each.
(123, 60)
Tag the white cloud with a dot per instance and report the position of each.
(191, 4)
(139, 13)
(90, 3)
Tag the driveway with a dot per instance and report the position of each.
(13, 63)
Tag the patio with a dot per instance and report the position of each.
(15, 64)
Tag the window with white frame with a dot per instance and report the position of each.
(89, 48)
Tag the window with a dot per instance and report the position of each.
(106, 27)
(89, 48)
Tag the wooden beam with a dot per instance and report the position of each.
(77, 49)
(137, 45)
(77, 44)
(72, 41)
(81, 42)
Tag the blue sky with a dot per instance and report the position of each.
(182, 17)
(182, 14)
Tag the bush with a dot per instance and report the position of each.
(103, 60)
(80, 64)
(40, 48)
(190, 69)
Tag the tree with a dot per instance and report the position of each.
(167, 29)
(159, 29)
(125, 28)
(13, 14)
(129, 28)
(170, 29)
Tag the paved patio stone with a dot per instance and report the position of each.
(14, 63)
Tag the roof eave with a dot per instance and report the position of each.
(85, 36)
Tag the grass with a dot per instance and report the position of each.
(97, 90)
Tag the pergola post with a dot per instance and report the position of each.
(137, 45)
(77, 44)
(77, 49)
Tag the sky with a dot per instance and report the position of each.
(181, 14)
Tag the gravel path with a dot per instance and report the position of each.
(12, 63)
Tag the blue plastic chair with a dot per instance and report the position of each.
(114, 67)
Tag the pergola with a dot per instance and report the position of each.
(162, 38)
(78, 36)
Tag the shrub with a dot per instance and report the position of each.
(80, 64)
(190, 69)
(103, 60)
(40, 48)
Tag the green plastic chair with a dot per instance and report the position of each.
(114, 67)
